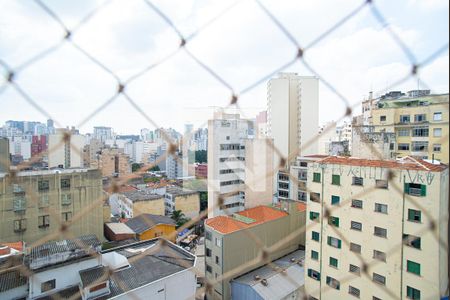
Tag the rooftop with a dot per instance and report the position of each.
(245, 219)
(141, 196)
(144, 222)
(406, 163)
(119, 228)
(177, 191)
(11, 279)
(284, 276)
(49, 172)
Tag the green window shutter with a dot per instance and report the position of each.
(314, 255)
(339, 244)
(318, 276)
(309, 272)
(316, 177)
(335, 179)
(336, 222)
(423, 190)
(329, 240)
(410, 214)
(335, 200)
(333, 262)
(406, 188)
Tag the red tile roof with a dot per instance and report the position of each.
(407, 163)
(261, 214)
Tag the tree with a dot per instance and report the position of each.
(135, 167)
(154, 169)
(179, 218)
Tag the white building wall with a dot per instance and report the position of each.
(65, 276)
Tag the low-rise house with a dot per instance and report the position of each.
(283, 279)
(78, 269)
(118, 232)
(180, 199)
(138, 202)
(148, 226)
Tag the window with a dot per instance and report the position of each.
(66, 199)
(355, 248)
(208, 268)
(301, 196)
(379, 255)
(302, 174)
(20, 225)
(44, 221)
(415, 189)
(48, 285)
(229, 146)
(316, 177)
(357, 181)
(403, 147)
(419, 146)
(403, 132)
(357, 203)
(314, 255)
(43, 201)
(333, 221)
(436, 147)
(355, 225)
(437, 116)
(283, 177)
(335, 200)
(379, 278)
(19, 202)
(437, 132)
(314, 197)
(315, 236)
(314, 274)
(313, 215)
(420, 131)
(333, 283)
(382, 118)
(208, 252)
(336, 179)
(411, 240)
(381, 208)
(66, 216)
(353, 291)
(218, 242)
(283, 185)
(420, 118)
(43, 185)
(65, 183)
(302, 185)
(412, 293)
(334, 242)
(381, 232)
(283, 194)
(413, 267)
(303, 164)
(208, 235)
(333, 262)
(354, 269)
(381, 184)
(217, 260)
(404, 119)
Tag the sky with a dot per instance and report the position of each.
(242, 46)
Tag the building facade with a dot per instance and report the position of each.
(65, 153)
(368, 229)
(229, 246)
(186, 201)
(35, 204)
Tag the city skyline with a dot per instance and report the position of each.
(69, 86)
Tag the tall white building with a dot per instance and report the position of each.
(141, 150)
(293, 114)
(69, 154)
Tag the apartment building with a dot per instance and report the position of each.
(180, 199)
(113, 162)
(368, 229)
(65, 153)
(133, 203)
(229, 246)
(419, 121)
(293, 114)
(34, 204)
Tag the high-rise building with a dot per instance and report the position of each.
(103, 133)
(226, 163)
(293, 115)
(376, 229)
(420, 124)
(34, 204)
(38, 144)
(261, 124)
(65, 153)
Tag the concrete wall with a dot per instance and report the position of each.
(154, 207)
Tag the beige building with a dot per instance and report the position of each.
(112, 162)
(373, 145)
(185, 200)
(35, 204)
(368, 229)
(420, 124)
(229, 246)
(134, 203)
